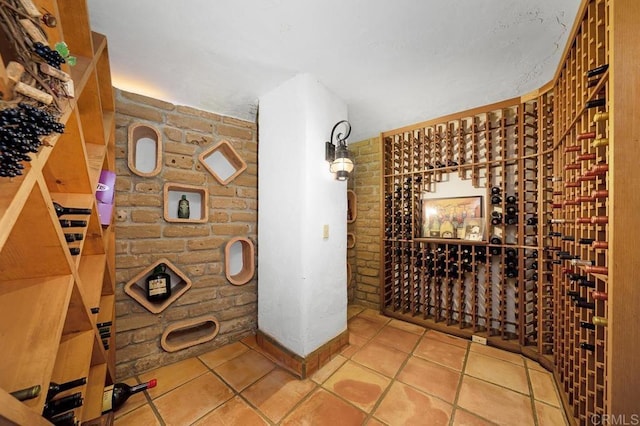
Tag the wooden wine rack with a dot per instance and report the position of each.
(50, 300)
(560, 157)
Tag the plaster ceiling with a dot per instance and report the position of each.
(394, 63)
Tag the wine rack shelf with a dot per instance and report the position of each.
(543, 282)
(56, 282)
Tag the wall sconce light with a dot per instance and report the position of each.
(338, 155)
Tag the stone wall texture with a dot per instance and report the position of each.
(364, 257)
(196, 249)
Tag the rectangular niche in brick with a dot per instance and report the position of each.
(223, 162)
(198, 202)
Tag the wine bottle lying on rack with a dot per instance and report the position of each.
(587, 347)
(597, 71)
(60, 210)
(599, 321)
(595, 103)
(27, 393)
(66, 223)
(581, 136)
(58, 406)
(66, 419)
(56, 388)
(73, 237)
(601, 116)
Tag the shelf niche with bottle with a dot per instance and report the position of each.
(136, 287)
(62, 263)
(197, 203)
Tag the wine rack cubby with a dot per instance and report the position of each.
(57, 282)
(543, 282)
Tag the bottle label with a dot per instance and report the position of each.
(157, 286)
(107, 399)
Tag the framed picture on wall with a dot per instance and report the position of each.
(456, 218)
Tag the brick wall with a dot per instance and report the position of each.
(197, 249)
(364, 284)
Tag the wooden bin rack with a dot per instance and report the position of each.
(50, 300)
(560, 157)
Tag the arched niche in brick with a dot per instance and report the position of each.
(352, 206)
(144, 155)
(190, 332)
(351, 240)
(239, 260)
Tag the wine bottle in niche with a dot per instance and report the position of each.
(587, 325)
(58, 406)
(114, 396)
(27, 393)
(158, 284)
(56, 388)
(61, 210)
(183, 208)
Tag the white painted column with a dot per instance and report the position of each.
(302, 289)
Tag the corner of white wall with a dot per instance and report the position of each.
(302, 294)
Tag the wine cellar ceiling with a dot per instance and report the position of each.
(393, 63)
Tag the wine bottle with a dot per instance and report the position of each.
(599, 220)
(589, 156)
(600, 245)
(600, 142)
(74, 251)
(116, 395)
(585, 305)
(56, 388)
(599, 295)
(66, 419)
(600, 116)
(66, 223)
(595, 103)
(581, 262)
(511, 199)
(597, 270)
(587, 325)
(581, 136)
(597, 71)
(73, 237)
(599, 321)
(60, 210)
(27, 393)
(58, 406)
(587, 346)
(158, 284)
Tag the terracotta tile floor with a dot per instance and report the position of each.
(392, 373)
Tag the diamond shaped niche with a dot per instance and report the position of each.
(136, 287)
(223, 162)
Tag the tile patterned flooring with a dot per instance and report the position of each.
(391, 373)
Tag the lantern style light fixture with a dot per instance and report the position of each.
(338, 154)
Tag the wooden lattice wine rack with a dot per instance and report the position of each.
(541, 281)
